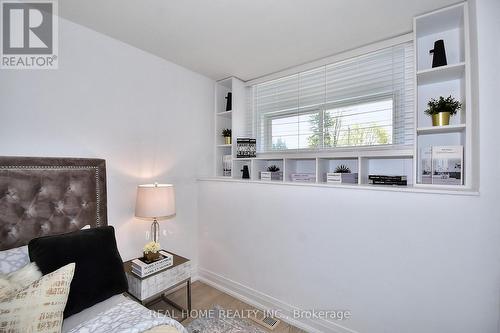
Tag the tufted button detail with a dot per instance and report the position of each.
(31, 211)
(85, 204)
(12, 195)
(59, 206)
(13, 232)
(45, 227)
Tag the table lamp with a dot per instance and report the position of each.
(155, 202)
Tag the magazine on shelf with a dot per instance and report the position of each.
(447, 165)
(426, 165)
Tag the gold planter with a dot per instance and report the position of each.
(227, 140)
(441, 119)
(151, 256)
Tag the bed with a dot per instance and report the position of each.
(53, 196)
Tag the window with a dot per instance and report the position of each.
(364, 101)
(363, 124)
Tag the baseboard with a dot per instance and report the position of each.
(267, 303)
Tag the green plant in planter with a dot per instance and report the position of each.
(226, 133)
(273, 168)
(342, 168)
(441, 109)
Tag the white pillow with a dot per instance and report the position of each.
(15, 281)
(13, 259)
(38, 307)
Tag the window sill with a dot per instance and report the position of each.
(409, 189)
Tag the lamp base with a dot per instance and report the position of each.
(155, 230)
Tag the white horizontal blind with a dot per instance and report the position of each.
(363, 101)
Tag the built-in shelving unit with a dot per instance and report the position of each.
(452, 26)
(363, 163)
(223, 119)
(232, 119)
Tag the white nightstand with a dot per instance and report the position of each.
(154, 287)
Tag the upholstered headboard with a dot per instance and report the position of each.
(46, 196)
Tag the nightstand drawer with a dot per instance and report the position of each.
(152, 285)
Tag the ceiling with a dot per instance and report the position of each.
(246, 38)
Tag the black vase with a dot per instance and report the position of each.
(245, 172)
(438, 54)
(229, 102)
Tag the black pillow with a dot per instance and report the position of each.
(99, 270)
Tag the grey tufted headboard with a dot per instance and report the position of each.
(46, 196)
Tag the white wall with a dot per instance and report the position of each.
(400, 262)
(150, 119)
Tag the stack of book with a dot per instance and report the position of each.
(268, 175)
(303, 177)
(388, 180)
(226, 165)
(143, 269)
(341, 178)
(246, 147)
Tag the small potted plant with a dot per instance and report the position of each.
(441, 109)
(226, 133)
(342, 174)
(273, 173)
(151, 251)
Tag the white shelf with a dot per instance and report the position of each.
(441, 129)
(441, 74)
(224, 146)
(409, 189)
(442, 187)
(225, 113)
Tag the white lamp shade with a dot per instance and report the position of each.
(155, 201)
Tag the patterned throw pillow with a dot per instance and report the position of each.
(13, 259)
(38, 307)
(12, 283)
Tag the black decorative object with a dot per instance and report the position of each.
(245, 172)
(229, 102)
(438, 54)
